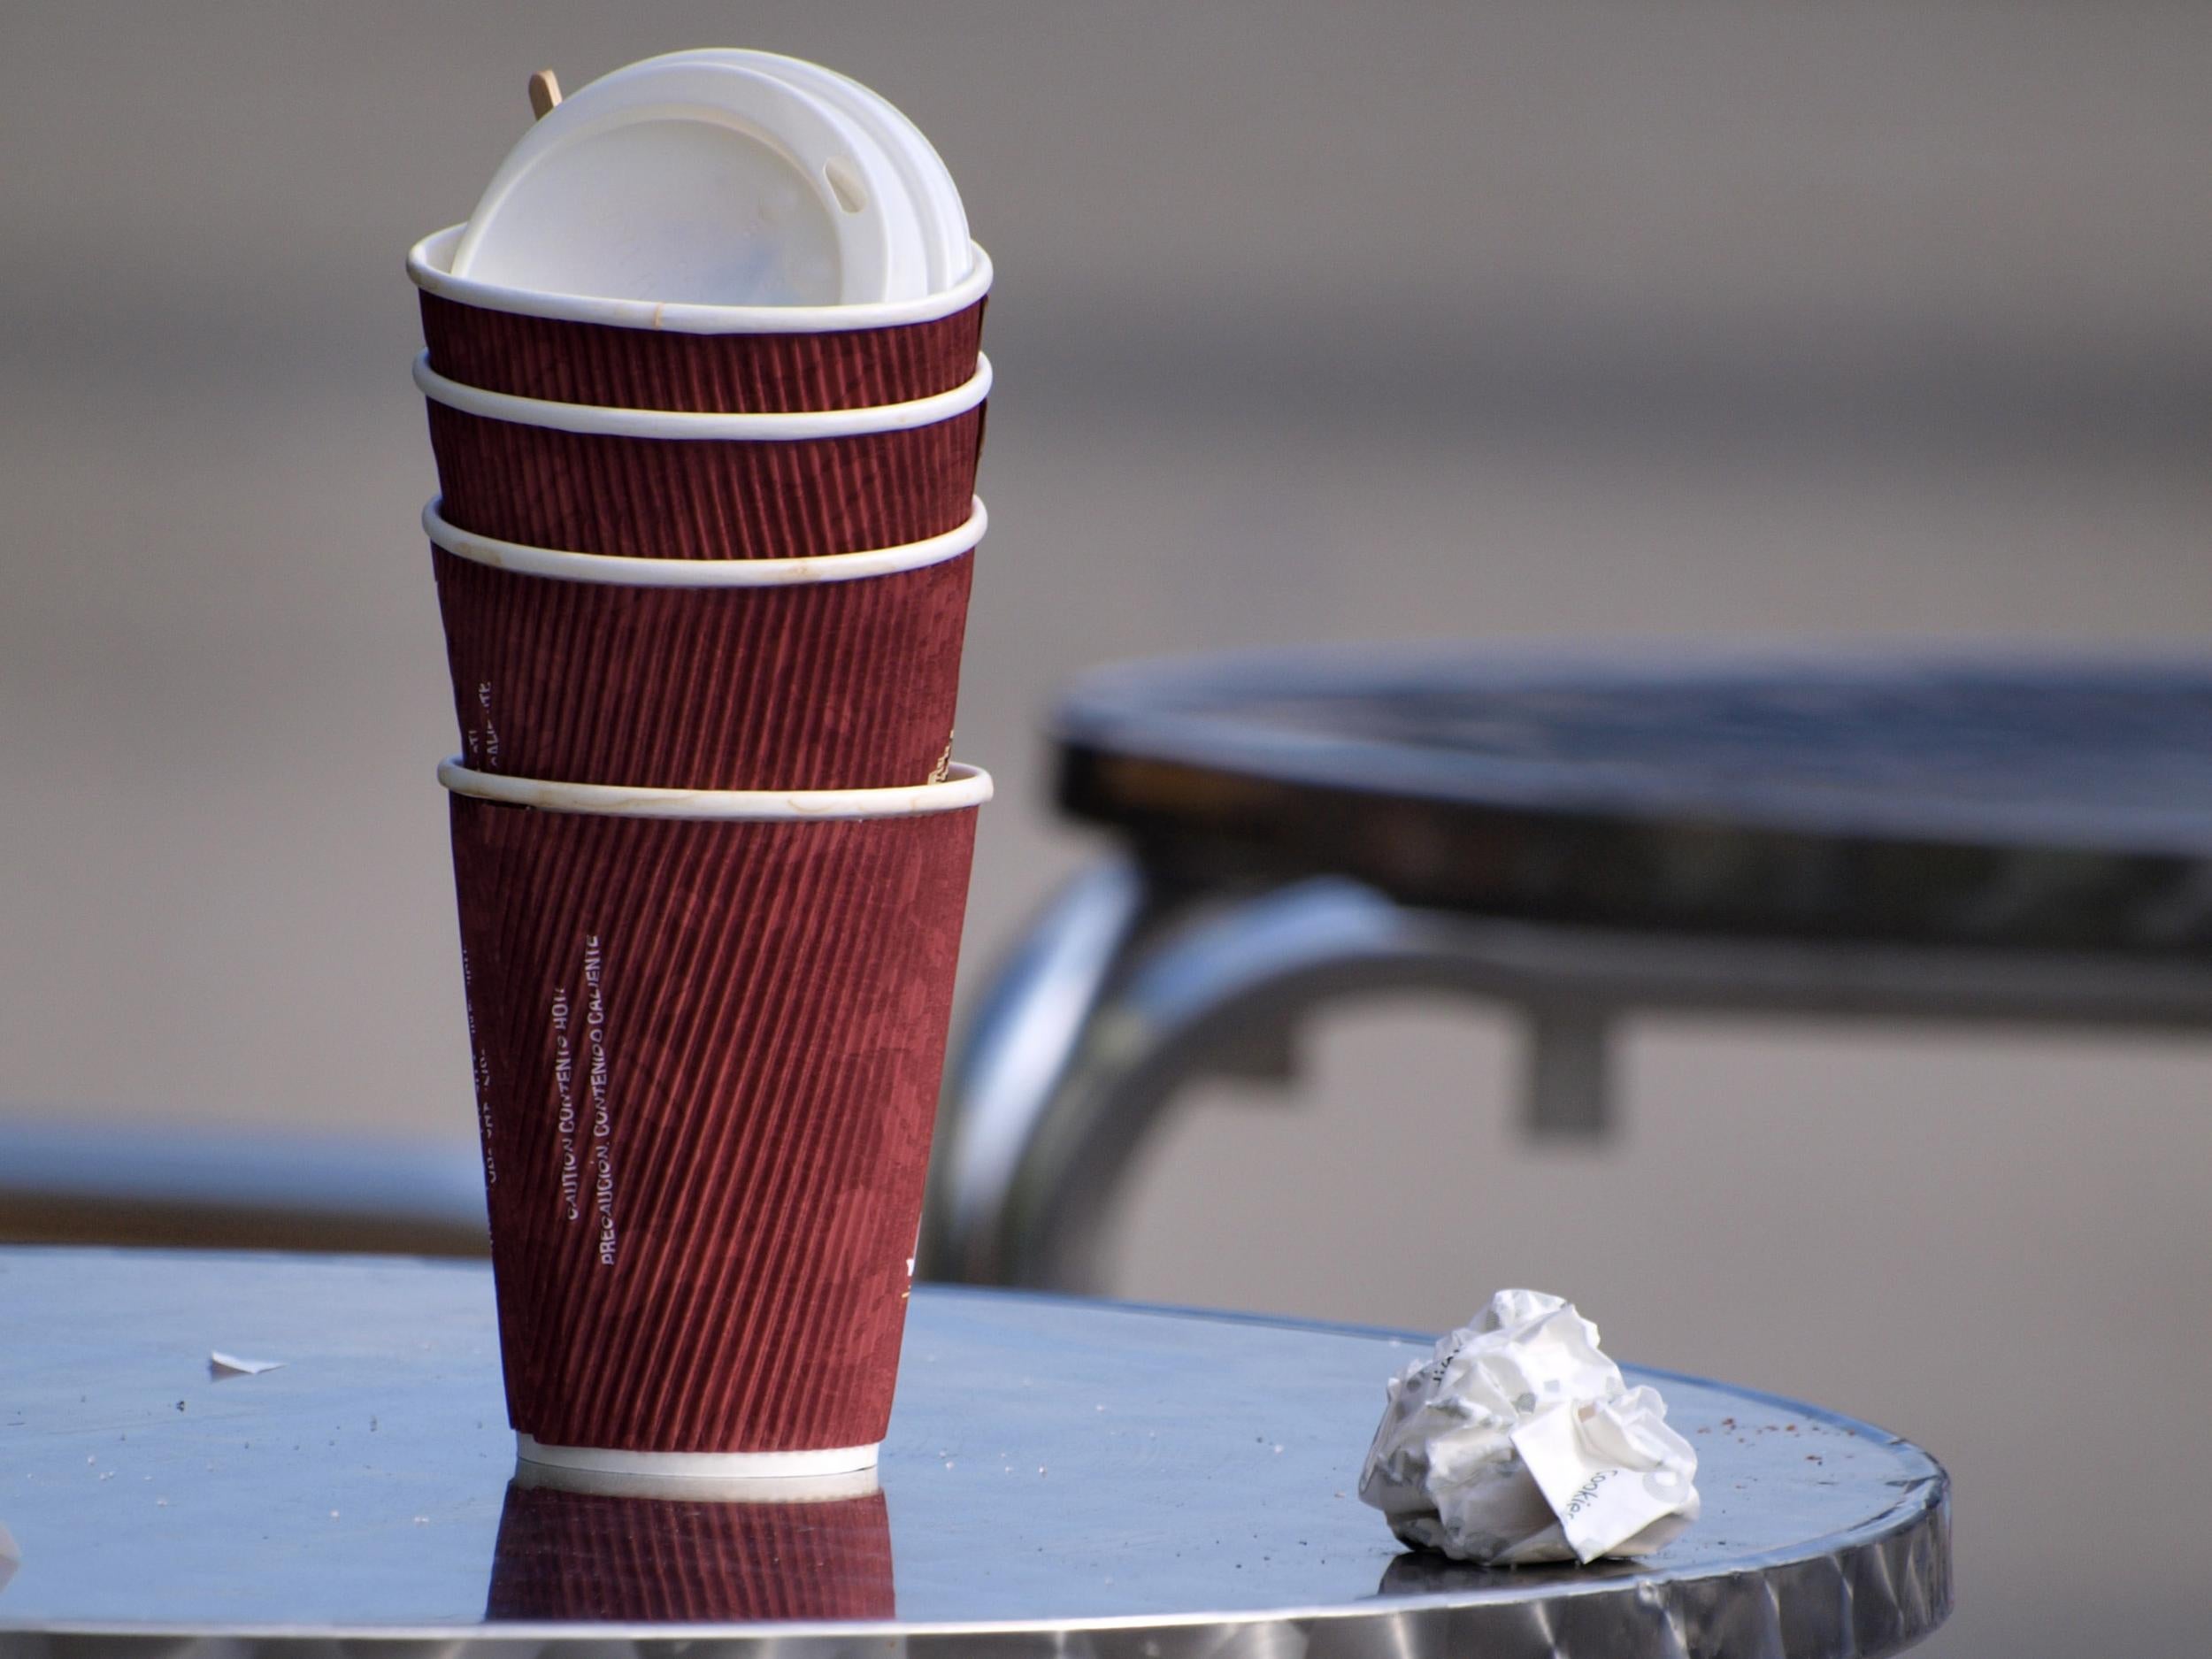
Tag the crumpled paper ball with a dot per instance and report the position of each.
(1517, 1441)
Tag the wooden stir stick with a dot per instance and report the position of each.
(545, 92)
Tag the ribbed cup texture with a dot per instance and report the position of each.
(579, 1555)
(707, 1062)
(680, 498)
(828, 686)
(643, 368)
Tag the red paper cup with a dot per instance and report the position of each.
(648, 483)
(813, 1550)
(573, 349)
(835, 673)
(709, 1029)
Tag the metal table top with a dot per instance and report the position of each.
(1061, 1476)
(2047, 801)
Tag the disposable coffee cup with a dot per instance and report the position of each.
(709, 1030)
(840, 671)
(673, 485)
(711, 230)
(593, 1549)
(578, 349)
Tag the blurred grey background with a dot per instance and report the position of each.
(1499, 319)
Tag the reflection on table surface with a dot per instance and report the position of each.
(570, 1549)
(1051, 1462)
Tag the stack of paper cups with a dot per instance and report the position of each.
(706, 400)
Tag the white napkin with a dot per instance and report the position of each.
(1517, 1441)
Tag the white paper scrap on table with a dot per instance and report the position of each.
(1517, 1441)
(220, 1365)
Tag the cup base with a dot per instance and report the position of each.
(600, 1483)
(713, 1465)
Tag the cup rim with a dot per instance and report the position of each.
(687, 318)
(620, 570)
(787, 427)
(964, 786)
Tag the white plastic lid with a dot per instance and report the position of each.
(694, 181)
(928, 181)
